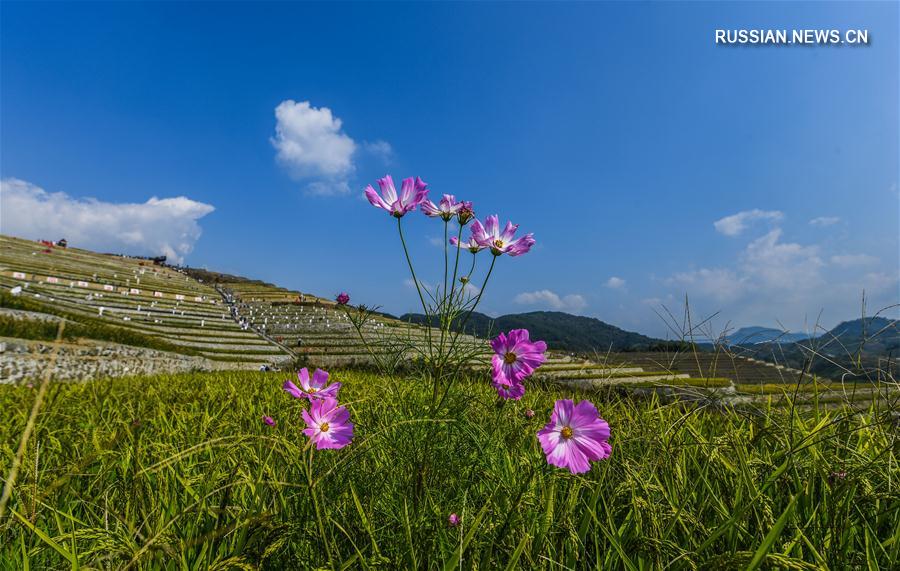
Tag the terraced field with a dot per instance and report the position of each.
(319, 331)
(133, 294)
(213, 321)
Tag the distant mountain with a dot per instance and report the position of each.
(755, 334)
(860, 346)
(561, 331)
(873, 335)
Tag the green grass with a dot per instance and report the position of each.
(178, 472)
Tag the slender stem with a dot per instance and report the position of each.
(449, 303)
(418, 289)
(480, 293)
(411, 270)
(455, 265)
(445, 258)
(444, 303)
(462, 327)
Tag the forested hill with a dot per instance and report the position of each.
(562, 331)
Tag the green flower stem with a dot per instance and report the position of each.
(418, 289)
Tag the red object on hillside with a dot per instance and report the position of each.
(47, 243)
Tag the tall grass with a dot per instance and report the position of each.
(179, 472)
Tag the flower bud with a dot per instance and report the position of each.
(465, 213)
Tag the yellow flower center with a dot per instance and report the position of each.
(313, 389)
(509, 358)
(566, 432)
(498, 243)
(324, 427)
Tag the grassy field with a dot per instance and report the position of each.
(180, 472)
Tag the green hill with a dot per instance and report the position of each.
(562, 331)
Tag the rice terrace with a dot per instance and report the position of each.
(311, 364)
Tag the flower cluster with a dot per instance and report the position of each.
(575, 435)
(327, 423)
(414, 193)
(515, 358)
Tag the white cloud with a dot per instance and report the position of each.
(773, 280)
(159, 226)
(380, 149)
(773, 264)
(736, 223)
(823, 221)
(312, 146)
(573, 303)
(853, 260)
(720, 284)
(615, 283)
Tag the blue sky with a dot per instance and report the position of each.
(618, 133)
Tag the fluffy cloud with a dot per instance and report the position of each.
(615, 283)
(776, 265)
(736, 223)
(573, 303)
(823, 221)
(159, 226)
(774, 279)
(312, 146)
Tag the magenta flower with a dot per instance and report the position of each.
(412, 193)
(314, 388)
(470, 245)
(575, 436)
(509, 390)
(453, 520)
(268, 420)
(490, 236)
(515, 356)
(342, 298)
(446, 209)
(327, 424)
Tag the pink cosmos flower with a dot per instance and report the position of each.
(575, 436)
(515, 356)
(509, 390)
(342, 298)
(490, 236)
(453, 520)
(327, 424)
(268, 420)
(446, 209)
(412, 193)
(312, 389)
(470, 245)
